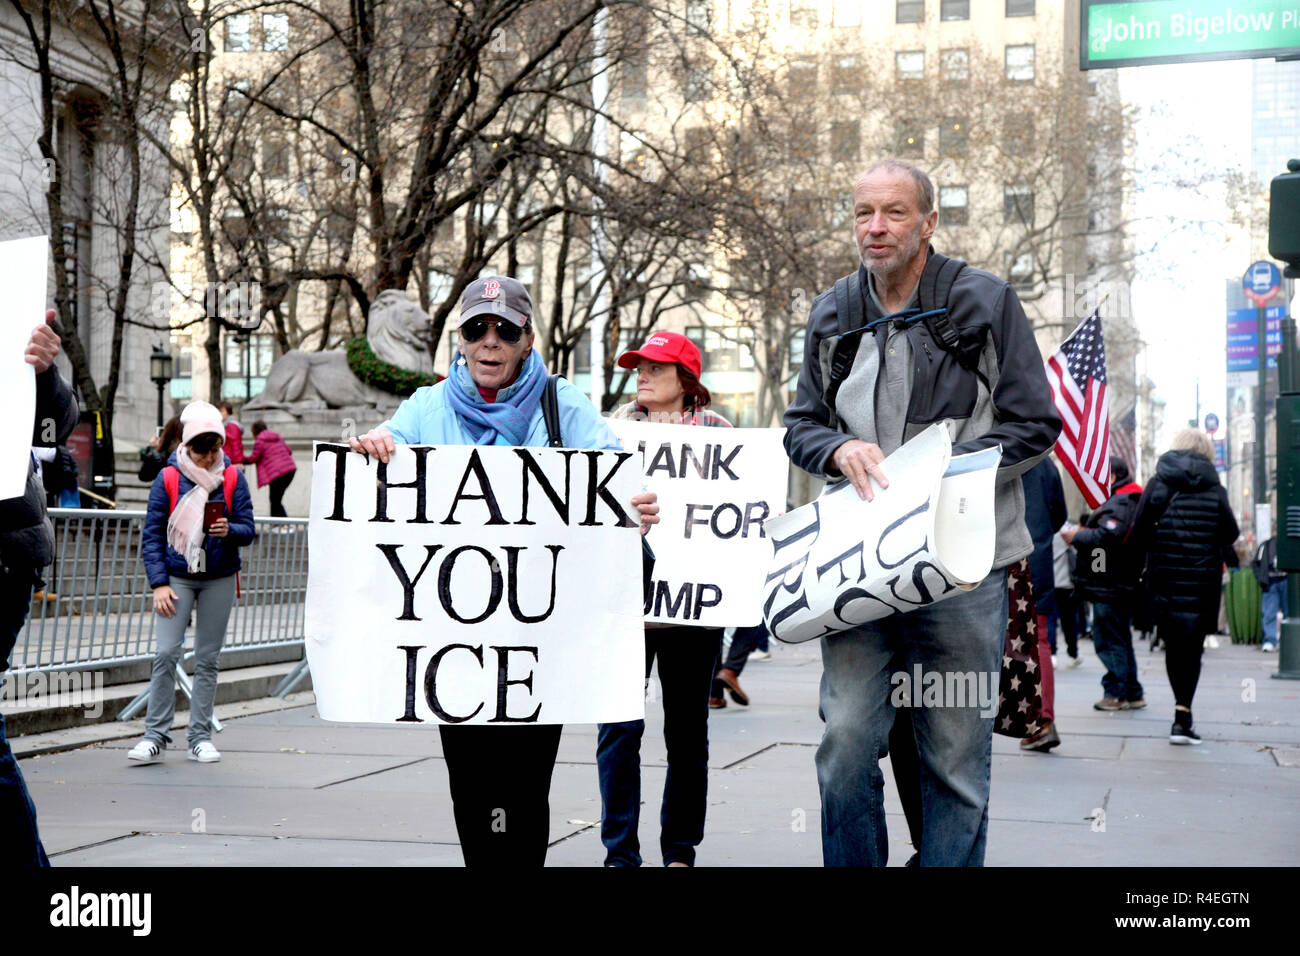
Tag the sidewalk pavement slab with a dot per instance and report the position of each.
(292, 789)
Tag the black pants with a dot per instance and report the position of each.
(743, 643)
(20, 843)
(277, 489)
(906, 763)
(1183, 645)
(685, 655)
(1070, 613)
(500, 791)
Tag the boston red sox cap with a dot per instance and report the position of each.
(502, 296)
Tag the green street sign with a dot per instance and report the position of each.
(1186, 31)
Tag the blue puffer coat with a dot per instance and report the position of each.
(161, 560)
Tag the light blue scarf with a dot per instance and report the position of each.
(509, 418)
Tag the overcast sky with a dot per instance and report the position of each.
(1178, 294)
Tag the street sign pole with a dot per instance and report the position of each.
(1261, 392)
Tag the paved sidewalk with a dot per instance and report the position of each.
(294, 790)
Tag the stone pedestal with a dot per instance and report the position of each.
(299, 428)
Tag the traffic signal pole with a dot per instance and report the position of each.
(1288, 372)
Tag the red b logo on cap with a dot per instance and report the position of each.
(491, 289)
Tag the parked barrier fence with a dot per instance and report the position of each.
(97, 606)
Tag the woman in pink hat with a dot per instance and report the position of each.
(191, 556)
(668, 390)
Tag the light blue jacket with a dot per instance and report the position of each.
(427, 418)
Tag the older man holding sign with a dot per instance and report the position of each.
(490, 589)
(910, 340)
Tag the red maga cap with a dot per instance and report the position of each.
(665, 347)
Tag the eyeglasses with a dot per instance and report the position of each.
(476, 328)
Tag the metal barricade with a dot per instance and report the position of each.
(97, 608)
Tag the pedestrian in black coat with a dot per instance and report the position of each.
(1186, 529)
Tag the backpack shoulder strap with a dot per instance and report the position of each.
(551, 411)
(172, 482)
(849, 312)
(229, 478)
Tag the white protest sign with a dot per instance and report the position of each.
(841, 561)
(22, 276)
(717, 487)
(482, 585)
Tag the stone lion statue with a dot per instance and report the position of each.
(399, 333)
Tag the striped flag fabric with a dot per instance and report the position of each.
(1123, 440)
(1077, 374)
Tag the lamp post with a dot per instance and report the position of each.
(160, 370)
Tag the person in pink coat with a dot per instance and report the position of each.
(275, 465)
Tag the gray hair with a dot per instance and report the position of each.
(1192, 439)
(924, 185)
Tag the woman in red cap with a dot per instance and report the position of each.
(668, 390)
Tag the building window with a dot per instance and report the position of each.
(1018, 204)
(1020, 63)
(803, 14)
(260, 349)
(909, 11)
(803, 78)
(910, 64)
(237, 33)
(954, 205)
(277, 223)
(954, 9)
(954, 65)
(954, 136)
(698, 16)
(275, 157)
(1020, 270)
(846, 142)
(275, 31)
(696, 279)
(699, 144)
(1018, 134)
(440, 284)
(1020, 8)
(698, 80)
(909, 138)
(634, 75)
(846, 76)
(846, 13)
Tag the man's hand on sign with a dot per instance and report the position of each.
(647, 503)
(377, 442)
(856, 460)
(43, 345)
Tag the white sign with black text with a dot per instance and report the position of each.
(717, 489)
(22, 276)
(842, 561)
(481, 585)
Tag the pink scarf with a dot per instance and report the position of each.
(185, 526)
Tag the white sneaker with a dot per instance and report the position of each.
(1211, 642)
(146, 751)
(1053, 662)
(1075, 661)
(1269, 648)
(204, 752)
(760, 655)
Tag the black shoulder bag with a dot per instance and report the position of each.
(551, 416)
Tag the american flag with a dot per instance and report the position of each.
(1123, 440)
(1077, 373)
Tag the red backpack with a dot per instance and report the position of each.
(172, 482)
(229, 478)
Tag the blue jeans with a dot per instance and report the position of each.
(686, 657)
(961, 635)
(1113, 642)
(20, 842)
(1273, 601)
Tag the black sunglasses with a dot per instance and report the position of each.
(476, 328)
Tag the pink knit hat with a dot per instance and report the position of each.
(200, 418)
